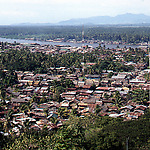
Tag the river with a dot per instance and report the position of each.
(64, 43)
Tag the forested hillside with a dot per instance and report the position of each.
(89, 133)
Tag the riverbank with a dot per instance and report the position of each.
(94, 45)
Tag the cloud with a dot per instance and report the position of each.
(56, 10)
(18, 13)
(22, 1)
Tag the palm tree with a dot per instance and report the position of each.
(54, 120)
(8, 118)
(140, 96)
(3, 94)
(117, 98)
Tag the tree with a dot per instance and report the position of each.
(97, 109)
(140, 96)
(8, 118)
(70, 136)
(117, 98)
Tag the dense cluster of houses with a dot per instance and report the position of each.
(90, 92)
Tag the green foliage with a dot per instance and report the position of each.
(135, 55)
(125, 34)
(89, 133)
(138, 132)
(24, 60)
(57, 87)
(110, 74)
(117, 98)
(147, 76)
(70, 136)
(140, 96)
(6, 79)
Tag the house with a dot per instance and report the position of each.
(116, 83)
(114, 115)
(137, 81)
(69, 93)
(86, 87)
(107, 102)
(65, 104)
(106, 81)
(18, 100)
(89, 82)
(127, 109)
(90, 100)
(141, 107)
(71, 89)
(92, 76)
(82, 105)
(81, 83)
(103, 88)
(113, 109)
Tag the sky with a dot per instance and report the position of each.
(53, 11)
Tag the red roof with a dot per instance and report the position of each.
(90, 64)
(86, 87)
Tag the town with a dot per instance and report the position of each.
(48, 99)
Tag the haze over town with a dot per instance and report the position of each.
(52, 11)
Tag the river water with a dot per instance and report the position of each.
(64, 43)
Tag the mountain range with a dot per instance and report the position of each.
(119, 19)
(102, 20)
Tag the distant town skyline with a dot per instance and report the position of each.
(53, 11)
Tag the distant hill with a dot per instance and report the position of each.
(125, 19)
(99, 20)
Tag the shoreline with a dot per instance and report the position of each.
(75, 44)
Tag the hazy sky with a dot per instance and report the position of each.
(52, 11)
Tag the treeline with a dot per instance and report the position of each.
(24, 60)
(89, 133)
(125, 34)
